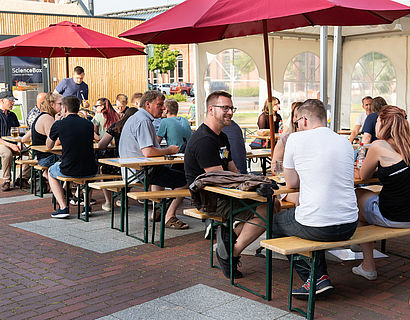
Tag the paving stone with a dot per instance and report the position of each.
(200, 298)
(244, 308)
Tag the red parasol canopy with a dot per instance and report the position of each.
(210, 20)
(195, 21)
(67, 39)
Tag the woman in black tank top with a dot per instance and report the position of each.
(42, 125)
(389, 158)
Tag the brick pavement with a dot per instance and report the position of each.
(43, 278)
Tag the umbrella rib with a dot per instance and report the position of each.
(306, 17)
(379, 16)
(102, 53)
(51, 53)
(8, 50)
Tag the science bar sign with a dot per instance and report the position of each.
(26, 69)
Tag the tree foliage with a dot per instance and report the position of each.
(163, 59)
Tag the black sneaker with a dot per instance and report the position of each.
(74, 201)
(323, 288)
(61, 213)
(224, 263)
(89, 211)
(222, 239)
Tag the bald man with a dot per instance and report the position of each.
(33, 114)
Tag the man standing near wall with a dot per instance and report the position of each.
(74, 86)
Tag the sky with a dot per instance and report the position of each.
(106, 6)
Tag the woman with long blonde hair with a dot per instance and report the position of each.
(389, 158)
(50, 111)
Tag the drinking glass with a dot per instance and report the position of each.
(14, 132)
(279, 171)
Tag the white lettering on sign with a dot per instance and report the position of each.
(25, 70)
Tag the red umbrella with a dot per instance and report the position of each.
(67, 39)
(210, 20)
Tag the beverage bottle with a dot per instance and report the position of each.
(361, 154)
(280, 127)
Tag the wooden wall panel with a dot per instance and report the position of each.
(105, 77)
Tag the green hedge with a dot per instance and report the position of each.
(178, 97)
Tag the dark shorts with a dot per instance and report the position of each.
(167, 177)
(223, 209)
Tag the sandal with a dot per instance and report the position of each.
(175, 223)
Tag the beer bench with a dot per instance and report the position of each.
(83, 184)
(302, 249)
(195, 213)
(156, 196)
(117, 187)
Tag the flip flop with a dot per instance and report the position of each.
(175, 223)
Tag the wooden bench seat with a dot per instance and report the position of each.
(162, 196)
(153, 195)
(38, 167)
(114, 185)
(95, 178)
(83, 184)
(195, 213)
(29, 162)
(307, 248)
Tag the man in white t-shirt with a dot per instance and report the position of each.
(366, 105)
(320, 163)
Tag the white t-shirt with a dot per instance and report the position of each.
(324, 163)
(360, 119)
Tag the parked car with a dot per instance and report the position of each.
(218, 85)
(152, 86)
(164, 88)
(181, 87)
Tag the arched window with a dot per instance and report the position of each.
(373, 75)
(234, 71)
(301, 80)
(180, 68)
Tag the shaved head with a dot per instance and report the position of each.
(40, 98)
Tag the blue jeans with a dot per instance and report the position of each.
(285, 224)
(55, 172)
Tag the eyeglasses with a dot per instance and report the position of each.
(227, 108)
(297, 120)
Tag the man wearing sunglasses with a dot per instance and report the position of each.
(209, 150)
(320, 163)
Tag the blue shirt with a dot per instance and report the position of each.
(176, 130)
(238, 150)
(369, 125)
(67, 87)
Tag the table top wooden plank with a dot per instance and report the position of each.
(235, 193)
(258, 153)
(139, 163)
(12, 139)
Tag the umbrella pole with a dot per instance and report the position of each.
(67, 72)
(269, 85)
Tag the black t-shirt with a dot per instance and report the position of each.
(76, 135)
(205, 149)
(394, 200)
(369, 125)
(7, 121)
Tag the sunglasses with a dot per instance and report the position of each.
(297, 120)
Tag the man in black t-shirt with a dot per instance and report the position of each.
(209, 150)
(76, 136)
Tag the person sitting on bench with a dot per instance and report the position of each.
(209, 150)
(320, 163)
(78, 160)
(138, 139)
(390, 158)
